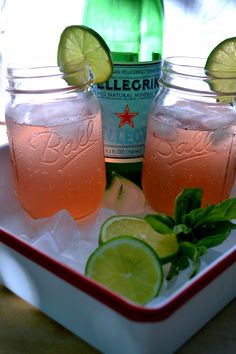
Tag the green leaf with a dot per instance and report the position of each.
(173, 271)
(160, 224)
(194, 253)
(195, 264)
(181, 262)
(212, 228)
(233, 226)
(188, 200)
(195, 217)
(188, 249)
(197, 228)
(222, 211)
(202, 250)
(214, 240)
(182, 229)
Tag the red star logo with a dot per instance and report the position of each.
(126, 117)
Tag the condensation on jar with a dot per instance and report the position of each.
(190, 135)
(55, 139)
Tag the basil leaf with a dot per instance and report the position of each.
(165, 219)
(225, 210)
(173, 271)
(183, 262)
(193, 252)
(202, 250)
(180, 263)
(188, 248)
(196, 217)
(160, 224)
(197, 228)
(195, 264)
(214, 240)
(233, 226)
(182, 229)
(212, 228)
(188, 200)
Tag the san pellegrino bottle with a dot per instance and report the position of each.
(133, 30)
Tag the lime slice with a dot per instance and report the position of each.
(127, 266)
(165, 245)
(123, 195)
(79, 44)
(221, 65)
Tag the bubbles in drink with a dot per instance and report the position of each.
(58, 166)
(189, 145)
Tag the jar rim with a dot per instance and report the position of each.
(40, 77)
(15, 73)
(188, 74)
(196, 65)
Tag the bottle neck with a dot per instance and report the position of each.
(127, 26)
(120, 57)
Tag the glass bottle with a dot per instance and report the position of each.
(191, 135)
(133, 30)
(55, 140)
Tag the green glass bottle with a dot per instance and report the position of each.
(133, 30)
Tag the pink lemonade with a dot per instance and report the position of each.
(177, 158)
(59, 166)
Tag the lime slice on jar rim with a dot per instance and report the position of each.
(79, 45)
(221, 67)
(127, 266)
(165, 245)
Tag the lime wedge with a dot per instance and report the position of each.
(79, 44)
(127, 266)
(165, 245)
(221, 65)
(123, 195)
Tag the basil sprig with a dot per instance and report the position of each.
(196, 228)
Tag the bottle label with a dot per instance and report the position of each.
(125, 101)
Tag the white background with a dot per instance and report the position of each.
(192, 27)
(33, 27)
(195, 27)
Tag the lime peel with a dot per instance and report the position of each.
(127, 266)
(123, 195)
(80, 44)
(221, 68)
(165, 245)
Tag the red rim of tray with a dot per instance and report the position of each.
(115, 301)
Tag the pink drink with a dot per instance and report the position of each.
(178, 157)
(60, 166)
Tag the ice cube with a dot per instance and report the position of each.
(49, 113)
(198, 115)
(183, 111)
(47, 244)
(63, 228)
(163, 129)
(16, 221)
(218, 117)
(77, 253)
(101, 216)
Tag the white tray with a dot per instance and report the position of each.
(105, 320)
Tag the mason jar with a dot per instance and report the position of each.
(190, 134)
(55, 138)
